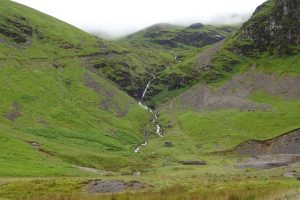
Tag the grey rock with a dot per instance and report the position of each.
(136, 173)
(193, 162)
(168, 144)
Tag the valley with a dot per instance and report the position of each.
(208, 112)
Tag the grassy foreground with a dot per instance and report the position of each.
(176, 182)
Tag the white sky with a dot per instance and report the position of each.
(119, 17)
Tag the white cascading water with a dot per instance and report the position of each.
(145, 91)
(155, 118)
(139, 147)
(176, 58)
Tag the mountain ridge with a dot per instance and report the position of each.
(171, 36)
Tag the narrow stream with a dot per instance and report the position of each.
(155, 118)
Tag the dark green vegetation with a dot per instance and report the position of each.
(131, 68)
(62, 107)
(152, 50)
(180, 45)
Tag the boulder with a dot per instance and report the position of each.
(193, 162)
(170, 125)
(136, 173)
(168, 144)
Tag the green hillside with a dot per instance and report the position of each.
(174, 46)
(70, 119)
(51, 96)
(148, 52)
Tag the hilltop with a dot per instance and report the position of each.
(176, 38)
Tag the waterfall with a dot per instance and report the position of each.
(158, 130)
(155, 118)
(145, 91)
(139, 147)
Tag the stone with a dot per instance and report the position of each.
(35, 145)
(168, 144)
(193, 162)
(170, 125)
(136, 173)
(289, 175)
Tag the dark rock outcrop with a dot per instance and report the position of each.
(274, 27)
(170, 36)
(197, 39)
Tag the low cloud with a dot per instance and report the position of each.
(121, 17)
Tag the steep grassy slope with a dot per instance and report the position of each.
(55, 111)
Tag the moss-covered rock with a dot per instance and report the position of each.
(17, 29)
(274, 27)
